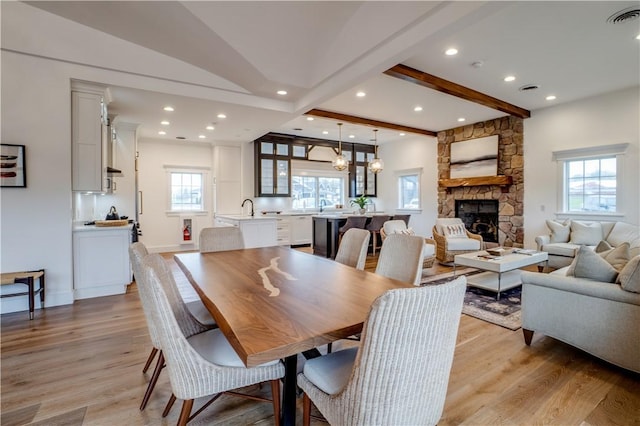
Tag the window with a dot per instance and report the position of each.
(309, 192)
(409, 189)
(590, 179)
(186, 191)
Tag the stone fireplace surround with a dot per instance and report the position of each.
(510, 163)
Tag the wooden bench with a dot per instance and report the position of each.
(27, 278)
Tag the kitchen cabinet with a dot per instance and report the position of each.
(256, 232)
(272, 169)
(283, 229)
(301, 230)
(100, 261)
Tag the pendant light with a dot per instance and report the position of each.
(340, 163)
(376, 165)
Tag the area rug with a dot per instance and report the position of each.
(482, 304)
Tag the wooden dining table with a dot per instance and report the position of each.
(275, 303)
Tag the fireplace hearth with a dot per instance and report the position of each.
(479, 217)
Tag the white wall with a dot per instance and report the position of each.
(414, 152)
(609, 119)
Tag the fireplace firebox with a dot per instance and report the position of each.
(479, 217)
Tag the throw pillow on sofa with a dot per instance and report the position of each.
(589, 264)
(559, 231)
(622, 232)
(629, 277)
(587, 233)
(617, 257)
(602, 246)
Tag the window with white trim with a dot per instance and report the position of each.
(187, 189)
(409, 189)
(591, 179)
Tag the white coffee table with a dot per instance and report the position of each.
(502, 273)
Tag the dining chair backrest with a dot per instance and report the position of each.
(401, 258)
(137, 253)
(221, 238)
(394, 226)
(353, 248)
(403, 217)
(402, 368)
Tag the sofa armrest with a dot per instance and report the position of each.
(541, 240)
(582, 286)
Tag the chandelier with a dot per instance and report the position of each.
(376, 165)
(340, 163)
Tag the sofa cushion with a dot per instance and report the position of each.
(622, 232)
(617, 257)
(588, 233)
(561, 249)
(629, 277)
(589, 264)
(559, 231)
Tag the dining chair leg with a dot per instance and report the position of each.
(306, 410)
(172, 399)
(151, 356)
(275, 396)
(329, 347)
(153, 381)
(185, 412)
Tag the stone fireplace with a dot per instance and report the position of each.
(479, 217)
(506, 190)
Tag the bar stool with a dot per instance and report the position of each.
(374, 227)
(352, 222)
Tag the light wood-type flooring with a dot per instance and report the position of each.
(82, 365)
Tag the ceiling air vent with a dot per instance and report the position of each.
(528, 87)
(624, 15)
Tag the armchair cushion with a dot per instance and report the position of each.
(462, 243)
(586, 233)
(454, 231)
(559, 231)
(629, 277)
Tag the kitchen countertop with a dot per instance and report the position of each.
(81, 227)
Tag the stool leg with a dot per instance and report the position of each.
(32, 300)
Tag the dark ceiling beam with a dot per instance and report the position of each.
(415, 76)
(368, 122)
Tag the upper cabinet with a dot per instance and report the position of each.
(89, 138)
(274, 152)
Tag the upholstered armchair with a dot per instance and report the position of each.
(399, 226)
(451, 238)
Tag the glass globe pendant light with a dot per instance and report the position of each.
(376, 165)
(340, 163)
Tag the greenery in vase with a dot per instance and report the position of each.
(361, 201)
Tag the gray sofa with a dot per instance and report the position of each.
(566, 237)
(600, 318)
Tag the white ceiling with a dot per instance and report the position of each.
(210, 57)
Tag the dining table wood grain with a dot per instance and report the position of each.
(276, 302)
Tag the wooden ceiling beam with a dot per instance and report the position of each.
(415, 76)
(368, 122)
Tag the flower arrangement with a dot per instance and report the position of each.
(361, 201)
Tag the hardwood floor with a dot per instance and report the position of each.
(82, 365)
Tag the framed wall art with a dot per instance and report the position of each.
(474, 158)
(12, 166)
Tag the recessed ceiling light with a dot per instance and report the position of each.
(450, 52)
(402, 134)
(281, 92)
(309, 118)
(461, 119)
(325, 132)
(202, 136)
(352, 136)
(509, 78)
(222, 116)
(162, 132)
(168, 108)
(551, 97)
(210, 127)
(638, 37)
(418, 108)
(361, 94)
(165, 123)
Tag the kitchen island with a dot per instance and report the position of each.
(326, 232)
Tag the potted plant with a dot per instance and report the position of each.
(361, 201)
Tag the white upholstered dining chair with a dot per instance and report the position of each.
(220, 238)
(400, 372)
(353, 248)
(398, 226)
(199, 363)
(401, 258)
(137, 253)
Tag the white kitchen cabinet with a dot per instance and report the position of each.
(256, 232)
(101, 261)
(283, 229)
(301, 229)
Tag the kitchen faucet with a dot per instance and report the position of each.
(249, 200)
(323, 203)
